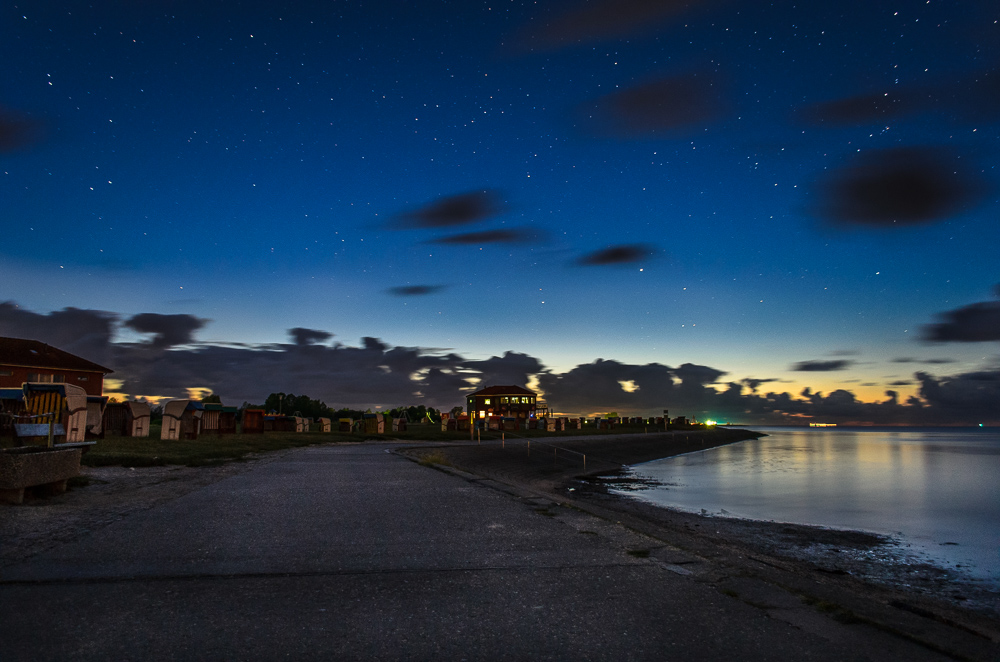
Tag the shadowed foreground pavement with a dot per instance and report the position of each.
(353, 552)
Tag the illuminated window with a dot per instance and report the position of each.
(486, 401)
(482, 414)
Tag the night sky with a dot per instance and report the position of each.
(758, 212)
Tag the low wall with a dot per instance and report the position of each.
(31, 466)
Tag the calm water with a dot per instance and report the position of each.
(931, 487)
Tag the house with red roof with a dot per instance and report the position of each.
(33, 361)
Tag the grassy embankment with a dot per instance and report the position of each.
(210, 449)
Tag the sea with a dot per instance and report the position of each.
(936, 490)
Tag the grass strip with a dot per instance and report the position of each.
(207, 450)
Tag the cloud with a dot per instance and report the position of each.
(624, 254)
(415, 290)
(511, 235)
(167, 330)
(661, 108)
(822, 366)
(86, 333)
(375, 373)
(965, 396)
(598, 386)
(898, 187)
(598, 21)
(692, 375)
(460, 209)
(308, 336)
(972, 98)
(17, 131)
(910, 359)
(977, 322)
(861, 110)
(513, 368)
(378, 373)
(753, 383)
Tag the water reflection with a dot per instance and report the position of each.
(932, 487)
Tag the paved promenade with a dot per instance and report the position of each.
(354, 552)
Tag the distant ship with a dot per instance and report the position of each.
(822, 425)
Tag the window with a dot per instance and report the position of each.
(486, 401)
(58, 378)
(38, 377)
(482, 414)
(6, 373)
(82, 379)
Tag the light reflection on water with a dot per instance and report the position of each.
(928, 486)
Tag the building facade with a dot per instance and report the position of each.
(33, 361)
(506, 401)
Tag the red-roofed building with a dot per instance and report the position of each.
(33, 361)
(507, 401)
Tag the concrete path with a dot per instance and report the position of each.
(352, 552)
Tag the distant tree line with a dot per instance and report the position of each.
(302, 405)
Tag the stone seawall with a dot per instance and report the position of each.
(549, 461)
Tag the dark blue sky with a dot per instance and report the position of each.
(788, 192)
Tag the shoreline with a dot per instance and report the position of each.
(863, 573)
